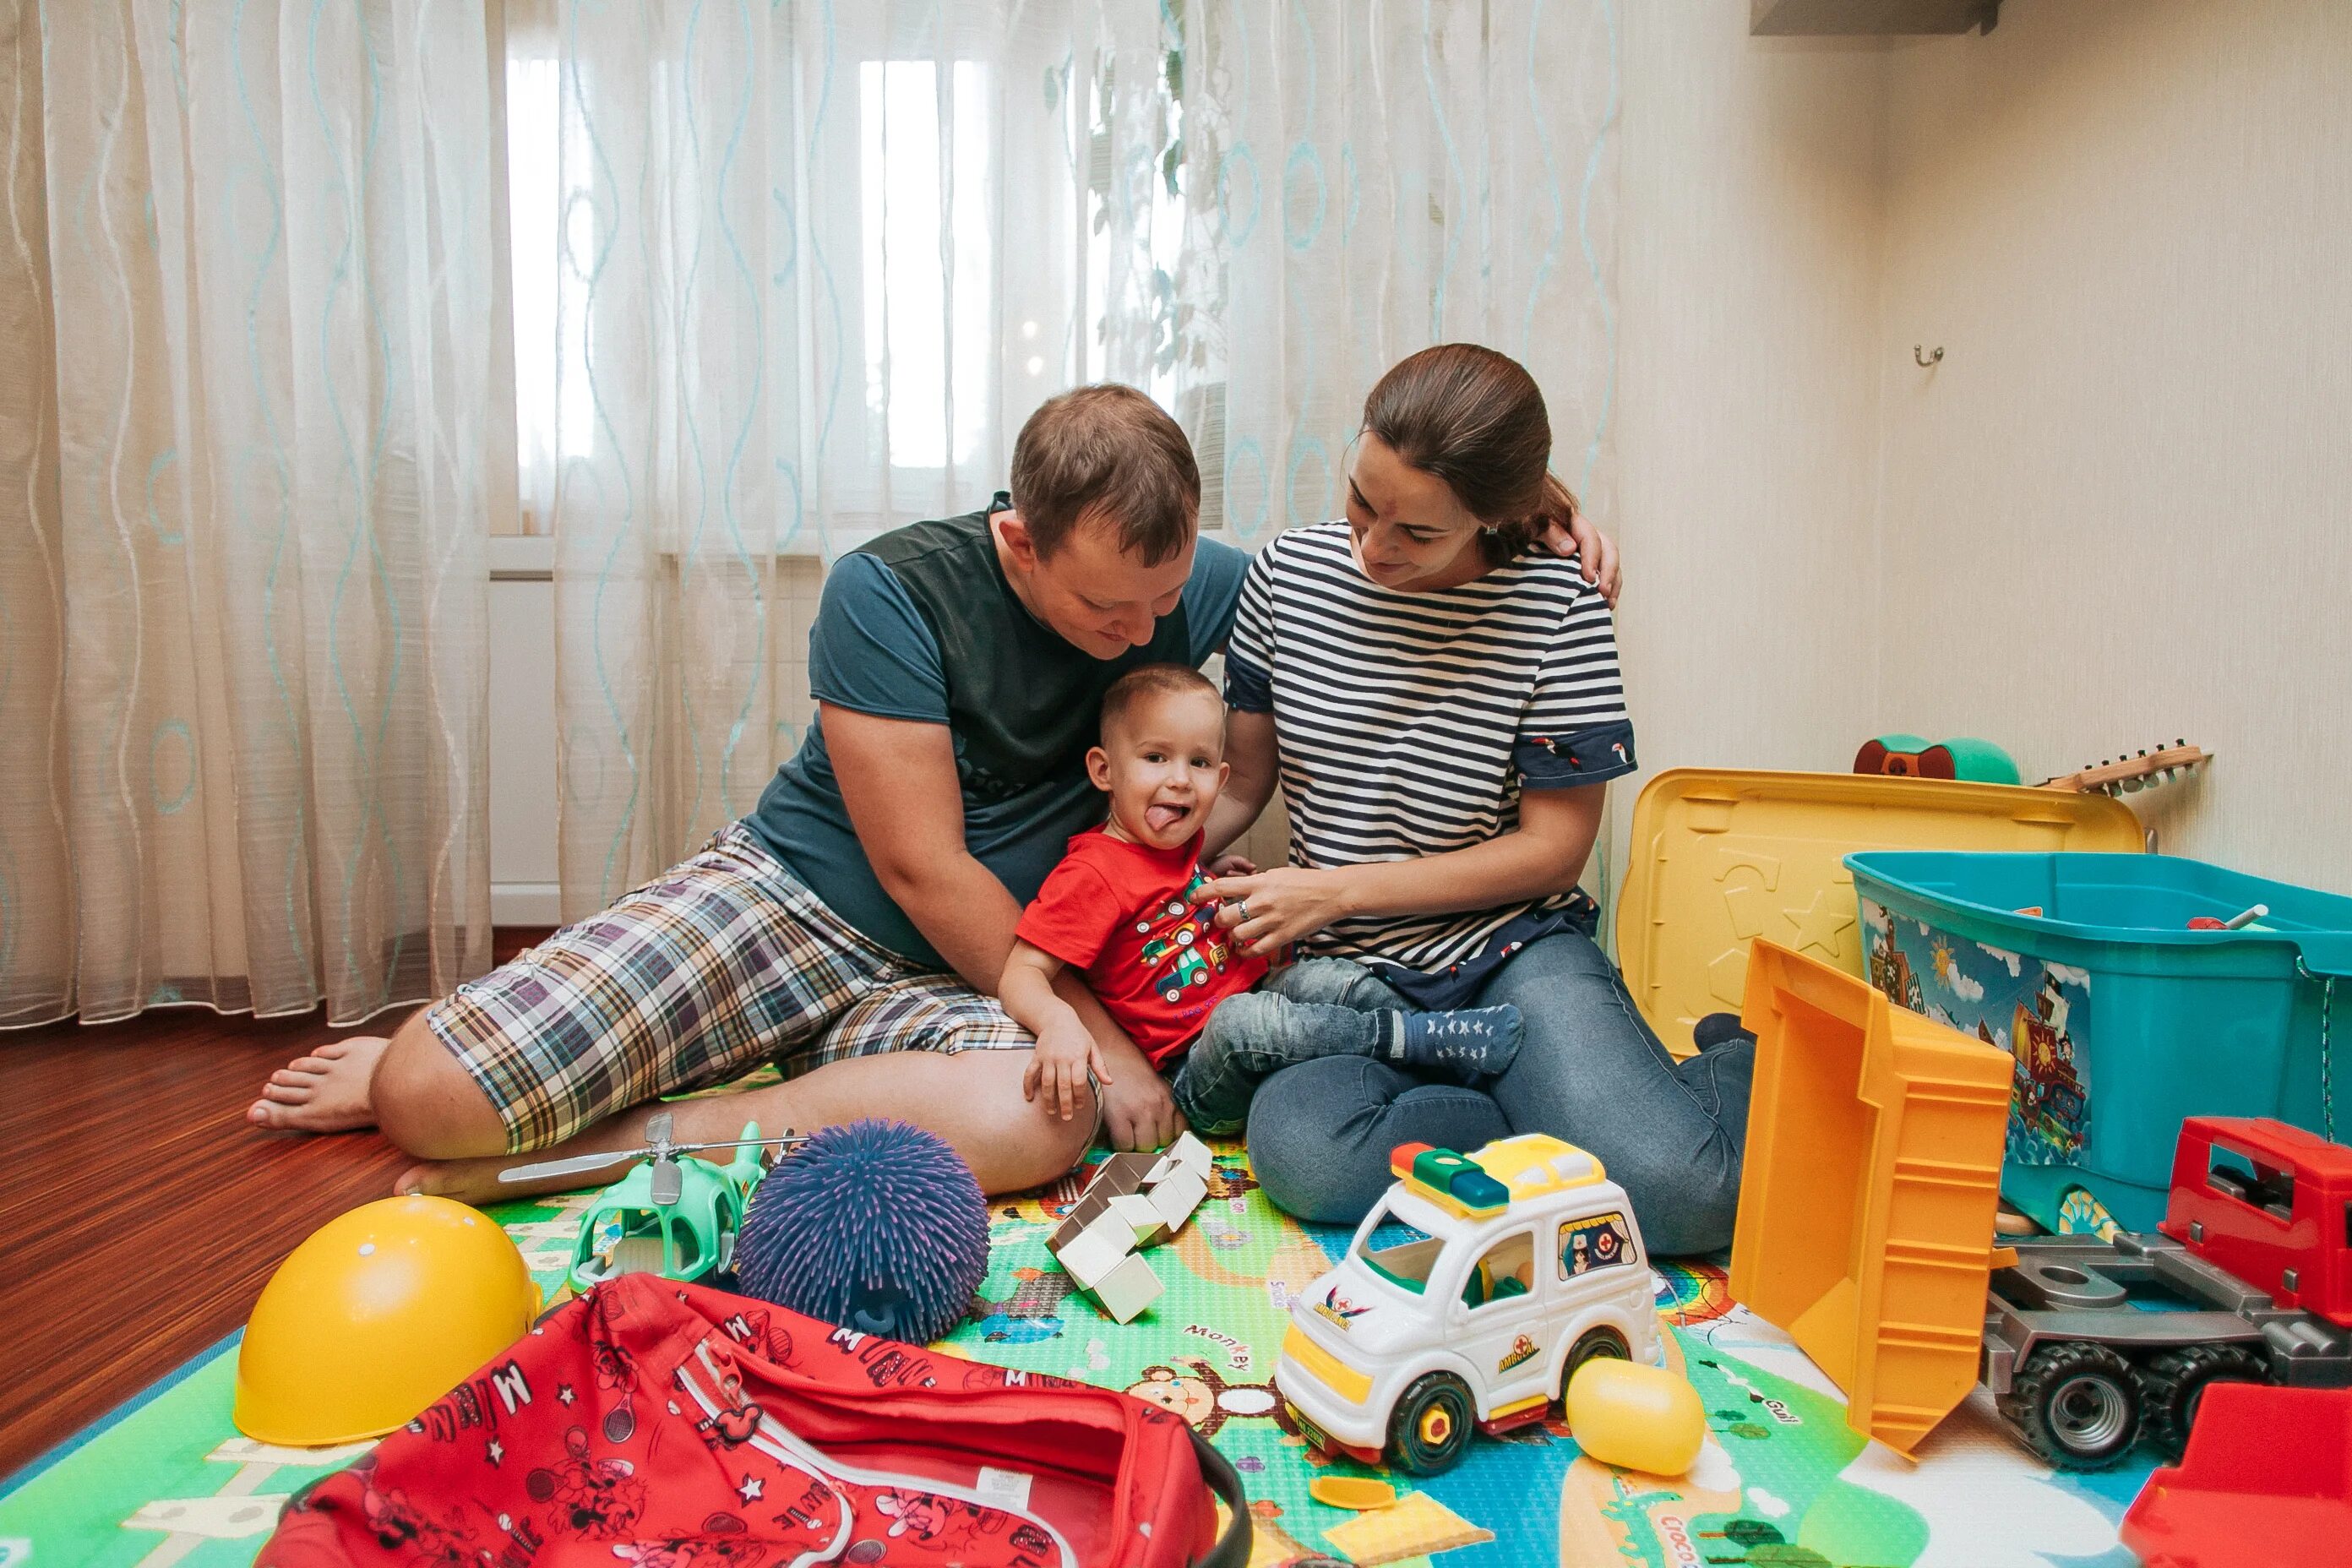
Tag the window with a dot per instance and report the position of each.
(927, 244)
(841, 279)
(1401, 1252)
(1506, 1272)
(1603, 1241)
(546, 431)
(2261, 1187)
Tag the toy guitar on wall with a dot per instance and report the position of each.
(2146, 771)
(1982, 761)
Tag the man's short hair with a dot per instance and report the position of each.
(1153, 680)
(1110, 452)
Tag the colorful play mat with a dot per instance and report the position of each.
(1782, 1483)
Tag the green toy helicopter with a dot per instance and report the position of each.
(674, 1215)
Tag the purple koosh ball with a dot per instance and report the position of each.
(873, 1225)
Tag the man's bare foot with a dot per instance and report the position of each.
(326, 1091)
(477, 1182)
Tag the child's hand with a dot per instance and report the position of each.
(1065, 1054)
(1232, 866)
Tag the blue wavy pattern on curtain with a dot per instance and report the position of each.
(1438, 162)
(251, 271)
(752, 196)
(816, 263)
(1450, 126)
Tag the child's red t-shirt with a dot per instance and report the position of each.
(1123, 913)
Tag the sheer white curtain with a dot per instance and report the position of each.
(247, 426)
(794, 274)
(1367, 179)
(1370, 179)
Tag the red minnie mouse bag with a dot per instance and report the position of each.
(653, 1425)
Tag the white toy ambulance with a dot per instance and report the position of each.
(1467, 1298)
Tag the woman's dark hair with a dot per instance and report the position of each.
(1475, 419)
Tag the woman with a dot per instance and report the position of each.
(1444, 704)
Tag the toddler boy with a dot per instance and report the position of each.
(1122, 907)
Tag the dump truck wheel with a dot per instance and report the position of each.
(2076, 1405)
(2175, 1381)
(1432, 1423)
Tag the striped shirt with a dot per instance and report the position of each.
(1409, 722)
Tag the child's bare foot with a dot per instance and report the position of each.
(326, 1091)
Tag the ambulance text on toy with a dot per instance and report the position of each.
(1467, 1299)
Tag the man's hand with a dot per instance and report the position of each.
(1065, 1054)
(1594, 550)
(1139, 1112)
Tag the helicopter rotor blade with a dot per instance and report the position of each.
(786, 1144)
(668, 1184)
(577, 1164)
(657, 1127)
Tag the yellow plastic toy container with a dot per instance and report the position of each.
(1722, 857)
(1865, 1210)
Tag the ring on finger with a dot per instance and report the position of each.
(1241, 910)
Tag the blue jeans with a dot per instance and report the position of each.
(1589, 1071)
(1251, 1036)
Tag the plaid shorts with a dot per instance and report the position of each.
(723, 963)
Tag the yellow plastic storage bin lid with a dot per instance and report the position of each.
(1866, 1204)
(1721, 856)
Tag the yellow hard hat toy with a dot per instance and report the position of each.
(379, 1313)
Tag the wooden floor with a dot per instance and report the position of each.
(140, 1214)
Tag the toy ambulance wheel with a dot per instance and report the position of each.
(2076, 1405)
(1595, 1344)
(2175, 1381)
(1431, 1426)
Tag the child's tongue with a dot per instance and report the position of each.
(1159, 818)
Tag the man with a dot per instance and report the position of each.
(854, 926)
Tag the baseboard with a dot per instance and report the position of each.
(524, 904)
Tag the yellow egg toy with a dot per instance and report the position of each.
(1642, 1418)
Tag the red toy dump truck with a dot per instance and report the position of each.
(2089, 1345)
(2241, 1496)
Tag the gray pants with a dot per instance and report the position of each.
(1303, 1012)
(1589, 1071)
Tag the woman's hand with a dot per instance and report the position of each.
(1594, 549)
(1271, 909)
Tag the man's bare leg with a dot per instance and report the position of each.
(971, 1099)
(325, 1091)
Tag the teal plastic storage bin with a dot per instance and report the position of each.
(2121, 1018)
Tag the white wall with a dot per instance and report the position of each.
(525, 775)
(1749, 269)
(2120, 510)
(524, 779)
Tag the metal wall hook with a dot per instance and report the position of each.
(1927, 360)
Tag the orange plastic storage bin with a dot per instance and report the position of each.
(1866, 1207)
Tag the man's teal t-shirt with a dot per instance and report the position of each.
(921, 625)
